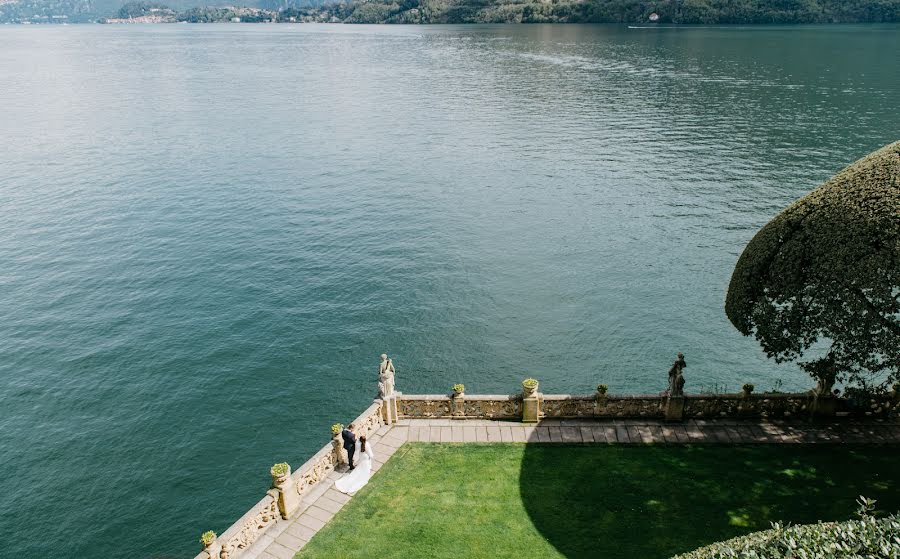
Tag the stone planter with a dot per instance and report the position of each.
(456, 394)
(530, 390)
(211, 547)
(279, 479)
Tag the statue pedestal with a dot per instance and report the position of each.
(674, 408)
(389, 413)
(531, 408)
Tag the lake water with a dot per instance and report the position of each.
(209, 233)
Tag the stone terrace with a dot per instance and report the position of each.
(323, 501)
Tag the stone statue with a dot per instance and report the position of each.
(679, 385)
(676, 379)
(385, 377)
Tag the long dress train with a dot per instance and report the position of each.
(355, 480)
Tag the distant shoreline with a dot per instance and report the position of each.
(630, 12)
(138, 21)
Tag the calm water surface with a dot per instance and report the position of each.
(209, 233)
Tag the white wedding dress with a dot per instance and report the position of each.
(355, 480)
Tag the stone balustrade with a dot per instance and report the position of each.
(672, 408)
(459, 407)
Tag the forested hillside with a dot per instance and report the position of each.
(607, 11)
(492, 11)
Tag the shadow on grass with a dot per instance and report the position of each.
(653, 501)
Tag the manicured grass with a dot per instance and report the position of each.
(629, 502)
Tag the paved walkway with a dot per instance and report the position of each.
(321, 503)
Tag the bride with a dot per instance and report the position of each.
(354, 481)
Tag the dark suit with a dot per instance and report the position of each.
(349, 444)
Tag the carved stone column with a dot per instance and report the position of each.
(214, 550)
(531, 401)
(674, 408)
(600, 400)
(286, 494)
(340, 455)
(458, 406)
(823, 406)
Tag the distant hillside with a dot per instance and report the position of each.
(607, 11)
(80, 11)
(483, 11)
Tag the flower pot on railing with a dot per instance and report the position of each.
(280, 473)
(746, 390)
(337, 443)
(207, 539)
(458, 402)
(531, 402)
(530, 387)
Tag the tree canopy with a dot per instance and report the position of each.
(822, 279)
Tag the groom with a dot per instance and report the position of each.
(349, 443)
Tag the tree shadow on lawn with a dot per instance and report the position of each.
(653, 501)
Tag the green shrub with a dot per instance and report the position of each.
(866, 537)
(748, 388)
(337, 428)
(530, 383)
(207, 537)
(602, 389)
(280, 469)
(459, 388)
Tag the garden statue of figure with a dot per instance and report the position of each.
(385, 376)
(679, 385)
(674, 376)
(825, 371)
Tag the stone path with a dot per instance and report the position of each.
(323, 501)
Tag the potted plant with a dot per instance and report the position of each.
(280, 472)
(747, 389)
(458, 389)
(207, 538)
(336, 429)
(602, 390)
(530, 386)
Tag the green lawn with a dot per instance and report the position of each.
(629, 502)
